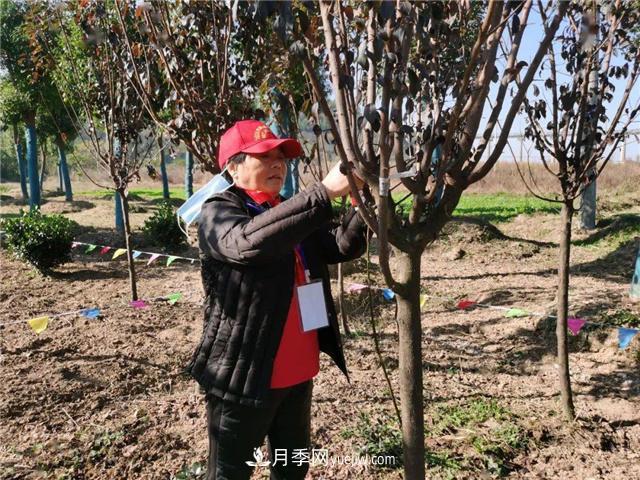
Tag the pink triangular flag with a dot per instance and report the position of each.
(104, 250)
(575, 324)
(355, 287)
(464, 304)
(138, 304)
(152, 258)
(74, 244)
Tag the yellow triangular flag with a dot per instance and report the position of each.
(39, 324)
(118, 252)
(423, 300)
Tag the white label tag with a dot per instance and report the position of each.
(313, 309)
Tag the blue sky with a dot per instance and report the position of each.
(533, 34)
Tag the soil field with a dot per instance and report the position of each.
(106, 398)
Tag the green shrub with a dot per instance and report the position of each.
(162, 228)
(43, 241)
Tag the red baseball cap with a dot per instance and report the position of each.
(253, 136)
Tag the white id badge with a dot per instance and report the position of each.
(313, 309)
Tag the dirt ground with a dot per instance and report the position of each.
(106, 398)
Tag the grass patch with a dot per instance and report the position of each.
(194, 471)
(479, 435)
(495, 208)
(621, 318)
(379, 436)
(613, 232)
(502, 207)
(137, 194)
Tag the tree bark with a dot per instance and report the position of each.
(563, 307)
(163, 172)
(410, 365)
(43, 148)
(22, 168)
(32, 166)
(343, 312)
(188, 174)
(127, 237)
(64, 173)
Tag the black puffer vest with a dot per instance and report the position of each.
(248, 277)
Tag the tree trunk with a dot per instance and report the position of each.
(118, 211)
(188, 174)
(60, 182)
(588, 209)
(22, 168)
(64, 173)
(343, 312)
(43, 148)
(32, 166)
(410, 364)
(163, 172)
(563, 307)
(127, 237)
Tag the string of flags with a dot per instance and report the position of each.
(117, 252)
(387, 293)
(40, 324)
(574, 324)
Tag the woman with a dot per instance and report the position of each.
(265, 318)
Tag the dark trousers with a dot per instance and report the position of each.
(235, 431)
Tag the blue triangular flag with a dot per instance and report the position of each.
(388, 294)
(91, 312)
(136, 254)
(625, 335)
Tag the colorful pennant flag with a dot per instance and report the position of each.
(575, 324)
(90, 248)
(138, 304)
(173, 298)
(355, 287)
(90, 312)
(516, 312)
(136, 254)
(153, 257)
(170, 260)
(119, 252)
(74, 244)
(423, 300)
(39, 324)
(625, 335)
(388, 294)
(464, 304)
(104, 250)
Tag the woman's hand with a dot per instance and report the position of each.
(337, 184)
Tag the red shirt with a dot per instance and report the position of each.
(298, 356)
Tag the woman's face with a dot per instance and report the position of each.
(264, 172)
